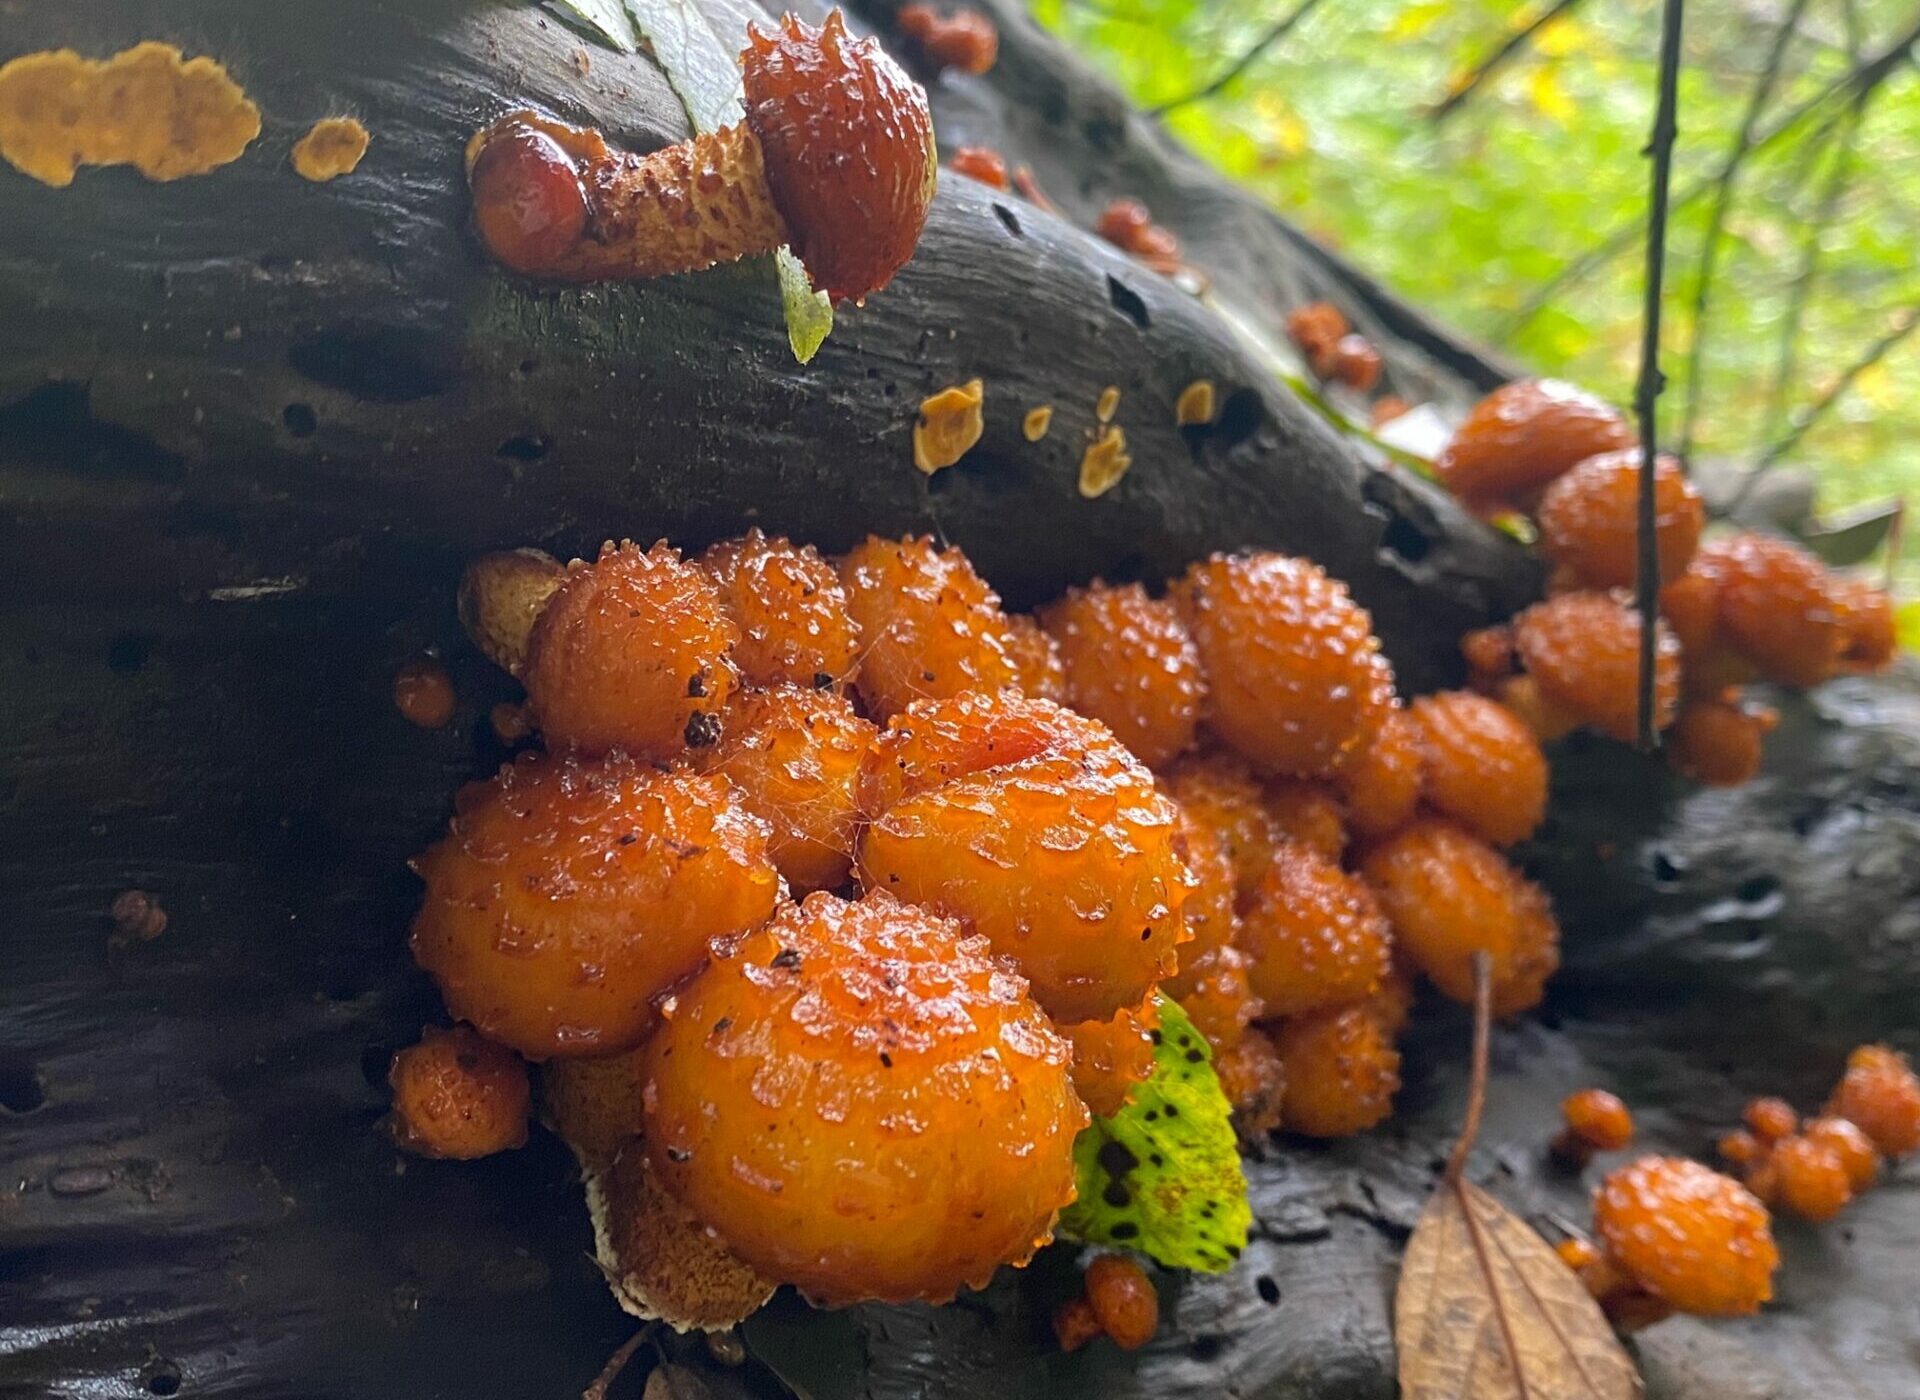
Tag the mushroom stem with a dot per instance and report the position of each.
(686, 207)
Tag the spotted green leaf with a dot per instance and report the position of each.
(1163, 1174)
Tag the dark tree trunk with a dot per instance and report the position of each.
(255, 427)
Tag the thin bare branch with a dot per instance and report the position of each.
(1839, 175)
(616, 1363)
(1646, 394)
(1498, 59)
(1716, 220)
(1856, 32)
(1861, 78)
(1274, 34)
(1907, 323)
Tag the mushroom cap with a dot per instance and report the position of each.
(849, 150)
(528, 202)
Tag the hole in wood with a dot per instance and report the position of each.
(1127, 302)
(20, 1087)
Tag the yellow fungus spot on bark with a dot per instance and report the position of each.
(950, 424)
(331, 149)
(1103, 463)
(1037, 421)
(1108, 405)
(1195, 404)
(149, 107)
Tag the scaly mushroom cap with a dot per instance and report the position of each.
(849, 150)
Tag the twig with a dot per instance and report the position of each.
(1861, 78)
(1278, 31)
(1909, 322)
(1477, 1082)
(1497, 60)
(1094, 7)
(1838, 176)
(1646, 394)
(1716, 220)
(616, 1363)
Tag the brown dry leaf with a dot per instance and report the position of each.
(1485, 1309)
(670, 1382)
(1477, 1287)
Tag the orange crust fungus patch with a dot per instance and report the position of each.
(331, 149)
(149, 106)
(1103, 463)
(950, 423)
(1034, 426)
(1195, 405)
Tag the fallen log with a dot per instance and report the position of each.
(250, 427)
(311, 369)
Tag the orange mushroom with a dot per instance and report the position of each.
(835, 158)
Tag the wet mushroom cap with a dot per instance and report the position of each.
(849, 150)
(528, 202)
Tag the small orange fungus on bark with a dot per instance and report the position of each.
(149, 106)
(331, 149)
(950, 424)
(1103, 463)
(1195, 404)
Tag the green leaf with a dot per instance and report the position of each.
(1906, 626)
(1853, 536)
(809, 313)
(604, 18)
(701, 70)
(705, 77)
(1163, 1174)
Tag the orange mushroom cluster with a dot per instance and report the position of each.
(1212, 791)
(873, 883)
(1816, 1167)
(1671, 1235)
(1119, 1302)
(1126, 224)
(1320, 331)
(1734, 608)
(962, 39)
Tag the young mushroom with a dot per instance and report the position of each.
(965, 40)
(835, 158)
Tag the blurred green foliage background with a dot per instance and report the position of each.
(1479, 213)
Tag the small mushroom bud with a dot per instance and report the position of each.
(982, 163)
(500, 596)
(835, 158)
(1127, 225)
(965, 40)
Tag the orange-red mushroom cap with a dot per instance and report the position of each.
(849, 151)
